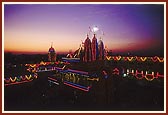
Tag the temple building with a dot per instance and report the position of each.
(87, 50)
(93, 50)
(101, 49)
(51, 54)
(79, 53)
(94, 47)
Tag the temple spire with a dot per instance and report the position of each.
(87, 35)
(51, 44)
(94, 35)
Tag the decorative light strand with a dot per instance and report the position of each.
(139, 59)
(20, 79)
(77, 86)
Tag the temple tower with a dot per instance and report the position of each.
(87, 50)
(94, 47)
(51, 54)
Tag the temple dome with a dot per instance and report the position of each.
(51, 49)
(100, 42)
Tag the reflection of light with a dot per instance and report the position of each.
(53, 82)
(52, 79)
(77, 86)
(17, 83)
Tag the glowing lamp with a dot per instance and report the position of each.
(124, 75)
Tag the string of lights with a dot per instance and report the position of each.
(46, 63)
(149, 76)
(77, 86)
(20, 79)
(135, 58)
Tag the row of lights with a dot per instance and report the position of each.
(139, 74)
(71, 84)
(135, 58)
(20, 79)
(46, 63)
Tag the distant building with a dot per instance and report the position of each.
(51, 54)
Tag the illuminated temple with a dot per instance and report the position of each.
(90, 50)
(91, 76)
(51, 54)
(93, 50)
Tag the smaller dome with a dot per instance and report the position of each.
(51, 49)
(100, 42)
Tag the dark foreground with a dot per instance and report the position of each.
(125, 95)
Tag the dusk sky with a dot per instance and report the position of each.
(127, 28)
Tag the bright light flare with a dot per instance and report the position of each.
(95, 29)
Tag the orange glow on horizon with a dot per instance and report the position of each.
(36, 42)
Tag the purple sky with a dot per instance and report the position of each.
(127, 28)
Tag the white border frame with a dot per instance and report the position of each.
(164, 3)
